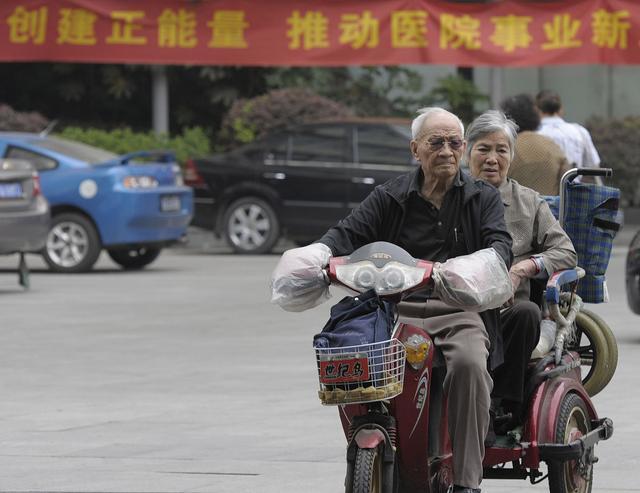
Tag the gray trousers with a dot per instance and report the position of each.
(464, 342)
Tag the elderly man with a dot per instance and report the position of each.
(435, 213)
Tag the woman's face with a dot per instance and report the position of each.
(490, 158)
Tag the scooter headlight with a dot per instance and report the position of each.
(365, 278)
(393, 278)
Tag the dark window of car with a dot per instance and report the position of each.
(384, 144)
(75, 150)
(322, 143)
(276, 149)
(38, 161)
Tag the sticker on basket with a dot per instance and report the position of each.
(353, 368)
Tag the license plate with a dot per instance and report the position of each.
(170, 203)
(346, 368)
(10, 190)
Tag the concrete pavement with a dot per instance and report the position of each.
(183, 378)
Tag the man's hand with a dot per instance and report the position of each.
(521, 271)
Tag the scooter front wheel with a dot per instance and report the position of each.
(367, 471)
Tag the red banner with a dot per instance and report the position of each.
(321, 32)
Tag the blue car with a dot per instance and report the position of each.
(131, 205)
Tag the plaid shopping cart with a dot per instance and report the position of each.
(592, 219)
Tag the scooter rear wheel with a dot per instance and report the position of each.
(573, 422)
(367, 471)
(612, 343)
(594, 350)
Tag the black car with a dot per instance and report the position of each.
(632, 274)
(296, 183)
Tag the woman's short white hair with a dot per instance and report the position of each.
(490, 122)
(424, 114)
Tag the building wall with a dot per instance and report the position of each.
(586, 90)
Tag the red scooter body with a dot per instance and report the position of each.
(403, 440)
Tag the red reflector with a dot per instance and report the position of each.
(36, 185)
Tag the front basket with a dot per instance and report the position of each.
(359, 374)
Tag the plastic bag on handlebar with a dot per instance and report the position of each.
(297, 282)
(475, 282)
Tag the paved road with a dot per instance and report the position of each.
(183, 378)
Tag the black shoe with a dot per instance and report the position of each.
(462, 489)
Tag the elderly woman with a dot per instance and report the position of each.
(540, 247)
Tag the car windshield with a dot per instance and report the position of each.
(76, 150)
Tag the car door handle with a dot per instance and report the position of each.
(274, 176)
(364, 180)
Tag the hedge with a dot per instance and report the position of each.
(192, 142)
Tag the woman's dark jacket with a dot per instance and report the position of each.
(380, 217)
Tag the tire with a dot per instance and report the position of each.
(593, 349)
(73, 244)
(134, 258)
(573, 422)
(612, 343)
(632, 275)
(367, 471)
(251, 226)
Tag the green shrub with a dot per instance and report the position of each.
(249, 119)
(618, 143)
(192, 142)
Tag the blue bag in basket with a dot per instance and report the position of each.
(357, 320)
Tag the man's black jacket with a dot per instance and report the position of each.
(380, 217)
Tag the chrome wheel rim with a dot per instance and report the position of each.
(249, 227)
(67, 244)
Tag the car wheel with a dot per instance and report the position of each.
(72, 244)
(251, 226)
(134, 258)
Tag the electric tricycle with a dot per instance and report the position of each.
(392, 407)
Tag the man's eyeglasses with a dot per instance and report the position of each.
(438, 143)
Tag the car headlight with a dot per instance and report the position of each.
(139, 182)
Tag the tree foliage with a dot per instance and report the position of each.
(110, 96)
(368, 91)
(460, 96)
(249, 119)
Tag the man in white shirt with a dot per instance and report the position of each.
(573, 138)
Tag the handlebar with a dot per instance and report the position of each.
(573, 302)
(552, 292)
(570, 175)
(606, 172)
